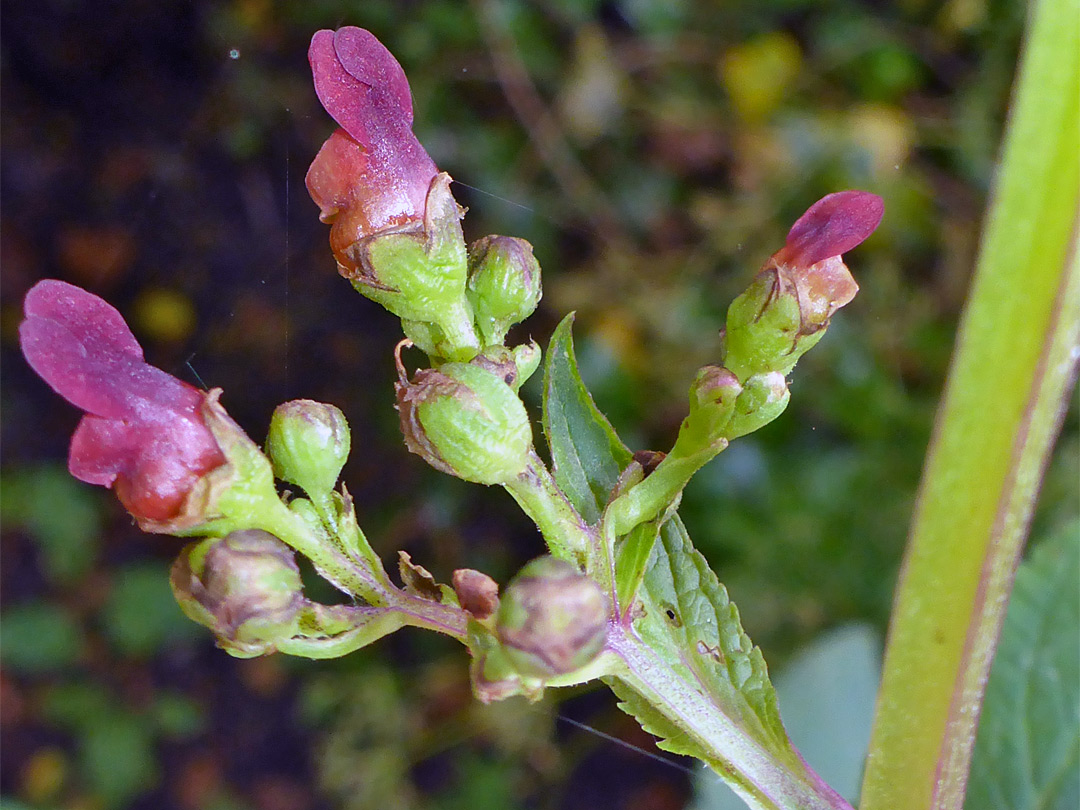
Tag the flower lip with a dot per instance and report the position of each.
(832, 226)
(143, 431)
(359, 82)
(371, 174)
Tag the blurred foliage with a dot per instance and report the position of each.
(654, 152)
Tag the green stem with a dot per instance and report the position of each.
(461, 341)
(654, 494)
(1016, 356)
(332, 564)
(566, 534)
(761, 780)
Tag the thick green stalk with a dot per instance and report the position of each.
(1014, 364)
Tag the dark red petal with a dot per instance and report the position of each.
(332, 179)
(365, 58)
(95, 321)
(368, 94)
(83, 349)
(832, 226)
(152, 466)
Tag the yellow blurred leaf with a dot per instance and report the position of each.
(758, 73)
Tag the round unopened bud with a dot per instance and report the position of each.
(764, 397)
(713, 393)
(503, 285)
(245, 587)
(308, 444)
(466, 421)
(552, 619)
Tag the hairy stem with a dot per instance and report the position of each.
(763, 781)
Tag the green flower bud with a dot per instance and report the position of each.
(763, 327)
(466, 421)
(419, 272)
(764, 397)
(245, 587)
(712, 401)
(504, 284)
(552, 620)
(308, 444)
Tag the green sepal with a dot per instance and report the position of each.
(764, 328)
(764, 397)
(419, 274)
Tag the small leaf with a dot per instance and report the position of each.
(39, 637)
(586, 454)
(1027, 752)
(420, 582)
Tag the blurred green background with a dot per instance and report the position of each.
(654, 152)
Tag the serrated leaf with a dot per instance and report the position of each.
(690, 620)
(586, 454)
(1027, 752)
(687, 618)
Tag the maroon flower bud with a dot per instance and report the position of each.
(145, 432)
(787, 308)
(372, 174)
(830, 227)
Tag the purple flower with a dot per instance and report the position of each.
(144, 433)
(372, 174)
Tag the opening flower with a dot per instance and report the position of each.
(372, 174)
(812, 253)
(144, 433)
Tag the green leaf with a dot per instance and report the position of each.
(586, 454)
(827, 690)
(1027, 753)
(62, 516)
(687, 620)
(39, 637)
(117, 758)
(141, 614)
(693, 625)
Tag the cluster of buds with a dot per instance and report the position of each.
(783, 313)
(180, 465)
(395, 227)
